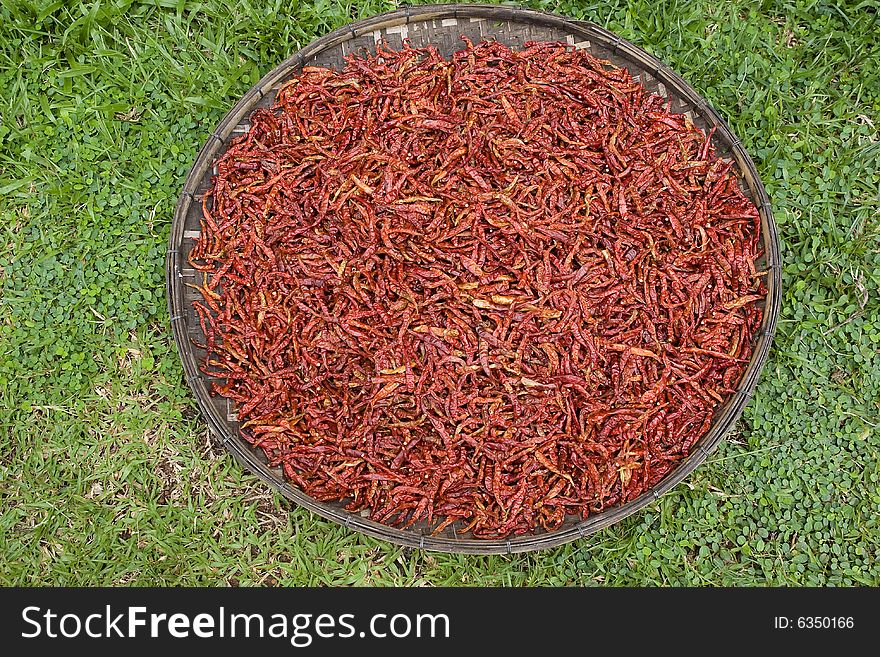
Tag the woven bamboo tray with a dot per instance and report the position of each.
(442, 26)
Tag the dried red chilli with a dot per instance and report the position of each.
(501, 289)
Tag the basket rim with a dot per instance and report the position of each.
(722, 424)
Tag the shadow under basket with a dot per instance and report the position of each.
(442, 26)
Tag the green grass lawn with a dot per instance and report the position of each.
(107, 473)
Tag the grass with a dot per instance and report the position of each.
(107, 474)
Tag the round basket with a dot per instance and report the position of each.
(442, 26)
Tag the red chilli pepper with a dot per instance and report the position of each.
(492, 293)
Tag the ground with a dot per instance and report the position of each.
(107, 473)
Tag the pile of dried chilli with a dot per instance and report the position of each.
(499, 290)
